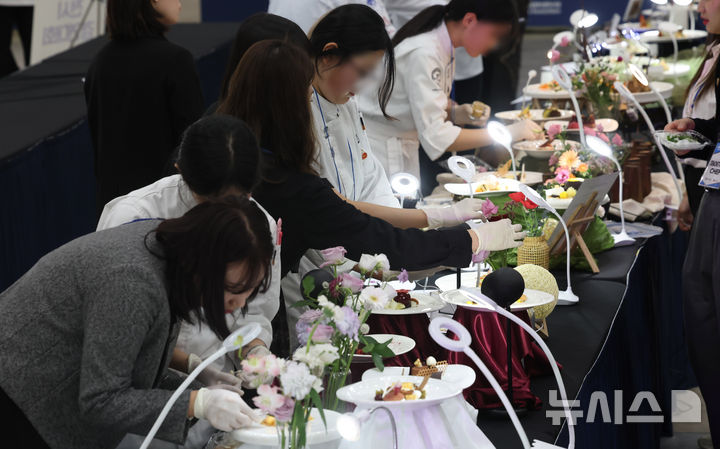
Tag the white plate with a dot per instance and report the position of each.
(531, 177)
(506, 186)
(530, 147)
(701, 141)
(534, 91)
(536, 115)
(400, 345)
(535, 298)
(608, 125)
(317, 432)
(397, 285)
(459, 375)
(663, 88)
(426, 303)
(363, 393)
(653, 36)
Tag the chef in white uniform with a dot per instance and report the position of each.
(425, 55)
(307, 12)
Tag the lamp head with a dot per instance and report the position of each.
(583, 19)
(535, 197)
(682, 2)
(600, 147)
(240, 337)
(462, 167)
(622, 90)
(436, 327)
(404, 184)
(638, 74)
(499, 133)
(349, 426)
(562, 77)
(532, 74)
(568, 35)
(659, 2)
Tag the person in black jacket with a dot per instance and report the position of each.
(701, 271)
(141, 92)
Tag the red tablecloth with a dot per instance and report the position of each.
(488, 332)
(413, 326)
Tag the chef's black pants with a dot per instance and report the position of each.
(701, 303)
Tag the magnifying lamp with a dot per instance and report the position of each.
(233, 342)
(603, 149)
(566, 297)
(404, 184)
(563, 79)
(583, 19)
(622, 90)
(659, 2)
(462, 344)
(465, 169)
(641, 78)
(501, 135)
(349, 425)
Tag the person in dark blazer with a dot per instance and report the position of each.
(142, 92)
(87, 334)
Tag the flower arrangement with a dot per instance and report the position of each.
(338, 315)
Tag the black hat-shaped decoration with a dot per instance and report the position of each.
(319, 276)
(504, 286)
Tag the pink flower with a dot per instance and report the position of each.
(268, 399)
(562, 175)
(617, 140)
(554, 55)
(589, 131)
(599, 127)
(333, 256)
(284, 413)
(553, 160)
(403, 276)
(489, 208)
(347, 280)
(564, 42)
(604, 137)
(322, 333)
(554, 130)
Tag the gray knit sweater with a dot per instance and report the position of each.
(86, 336)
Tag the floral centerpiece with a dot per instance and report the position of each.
(338, 314)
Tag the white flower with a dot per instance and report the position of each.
(369, 264)
(316, 356)
(297, 381)
(364, 328)
(374, 298)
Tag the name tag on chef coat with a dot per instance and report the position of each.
(711, 178)
(443, 78)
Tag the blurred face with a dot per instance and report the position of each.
(710, 15)
(338, 83)
(235, 275)
(480, 38)
(169, 10)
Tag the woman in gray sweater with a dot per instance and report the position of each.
(87, 334)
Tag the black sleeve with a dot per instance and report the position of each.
(709, 129)
(327, 221)
(185, 97)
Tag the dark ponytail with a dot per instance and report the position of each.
(496, 11)
(356, 29)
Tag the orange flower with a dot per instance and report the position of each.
(569, 159)
(583, 168)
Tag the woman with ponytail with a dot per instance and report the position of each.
(420, 107)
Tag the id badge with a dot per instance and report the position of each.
(711, 178)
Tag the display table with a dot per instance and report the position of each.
(47, 181)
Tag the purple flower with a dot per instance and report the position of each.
(347, 280)
(617, 140)
(480, 257)
(333, 256)
(565, 41)
(284, 413)
(322, 333)
(553, 160)
(403, 276)
(489, 208)
(310, 316)
(347, 322)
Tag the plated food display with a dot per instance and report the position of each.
(547, 91)
(537, 115)
(682, 141)
(406, 391)
(489, 186)
(411, 303)
(399, 345)
(544, 148)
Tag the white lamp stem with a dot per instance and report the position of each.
(621, 181)
(512, 158)
(581, 127)
(567, 246)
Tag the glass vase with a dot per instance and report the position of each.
(333, 381)
(289, 435)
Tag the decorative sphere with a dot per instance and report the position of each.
(319, 276)
(538, 278)
(504, 286)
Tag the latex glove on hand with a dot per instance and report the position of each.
(463, 114)
(525, 130)
(211, 376)
(224, 410)
(498, 235)
(458, 213)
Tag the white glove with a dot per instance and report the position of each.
(460, 212)
(258, 351)
(211, 376)
(498, 235)
(463, 115)
(224, 410)
(525, 130)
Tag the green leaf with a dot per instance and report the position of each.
(378, 361)
(306, 303)
(308, 285)
(317, 402)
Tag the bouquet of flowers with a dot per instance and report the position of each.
(338, 315)
(597, 78)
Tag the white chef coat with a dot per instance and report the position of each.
(424, 77)
(306, 13)
(170, 197)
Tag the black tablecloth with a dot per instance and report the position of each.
(47, 185)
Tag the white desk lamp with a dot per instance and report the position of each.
(603, 149)
(532, 73)
(501, 135)
(670, 29)
(463, 345)
(641, 78)
(622, 90)
(566, 297)
(404, 184)
(233, 342)
(563, 79)
(462, 167)
(349, 425)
